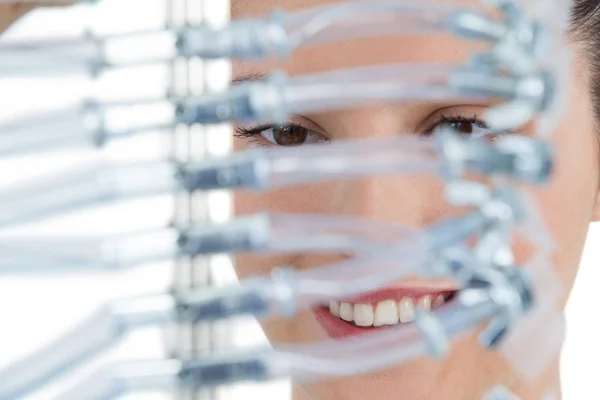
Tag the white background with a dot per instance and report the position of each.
(36, 309)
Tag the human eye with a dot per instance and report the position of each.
(280, 135)
(473, 127)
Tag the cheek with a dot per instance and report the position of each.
(296, 200)
(567, 203)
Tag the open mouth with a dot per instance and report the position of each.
(378, 310)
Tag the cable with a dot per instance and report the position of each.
(268, 169)
(263, 233)
(88, 55)
(279, 35)
(448, 155)
(89, 185)
(278, 97)
(87, 339)
(88, 125)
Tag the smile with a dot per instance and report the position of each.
(378, 310)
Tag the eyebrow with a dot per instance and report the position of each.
(247, 77)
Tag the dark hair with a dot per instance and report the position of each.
(585, 31)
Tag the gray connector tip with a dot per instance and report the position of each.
(241, 234)
(476, 26)
(213, 371)
(525, 159)
(215, 108)
(237, 171)
(538, 89)
(245, 301)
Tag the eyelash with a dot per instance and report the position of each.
(242, 132)
(453, 119)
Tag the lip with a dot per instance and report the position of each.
(337, 328)
(398, 294)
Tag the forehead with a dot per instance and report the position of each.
(427, 48)
(246, 8)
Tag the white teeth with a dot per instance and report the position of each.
(334, 308)
(425, 303)
(406, 310)
(347, 311)
(386, 313)
(439, 300)
(363, 314)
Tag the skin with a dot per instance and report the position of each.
(569, 203)
(10, 12)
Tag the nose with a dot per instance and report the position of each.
(416, 200)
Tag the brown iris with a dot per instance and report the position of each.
(463, 127)
(467, 128)
(289, 135)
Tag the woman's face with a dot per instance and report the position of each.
(568, 205)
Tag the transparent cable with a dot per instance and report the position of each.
(262, 169)
(517, 157)
(86, 340)
(273, 233)
(323, 24)
(89, 185)
(88, 54)
(280, 34)
(90, 125)
(278, 97)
